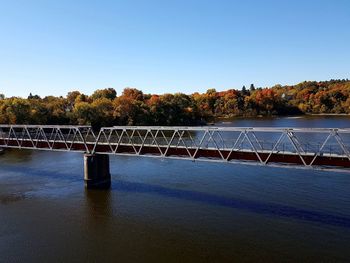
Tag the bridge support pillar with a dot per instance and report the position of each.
(96, 171)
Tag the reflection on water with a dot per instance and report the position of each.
(98, 207)
(17, 156)
(171, 211)
(9, 198)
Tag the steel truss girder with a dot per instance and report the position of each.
(226, 144)
(47, 137)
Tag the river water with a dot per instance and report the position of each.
(173, 211)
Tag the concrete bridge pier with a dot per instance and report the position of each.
(96, 171)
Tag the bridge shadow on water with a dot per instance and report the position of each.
(252, 206)
(263, 208)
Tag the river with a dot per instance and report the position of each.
(173, 211)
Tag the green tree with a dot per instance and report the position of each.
(84, 113)
(104, 110)
(109, 93)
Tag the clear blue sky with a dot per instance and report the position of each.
(52, 47)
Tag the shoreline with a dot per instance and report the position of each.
(280, 116)
(327, 114)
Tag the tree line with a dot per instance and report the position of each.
(133, 107)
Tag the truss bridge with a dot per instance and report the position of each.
(319, 148)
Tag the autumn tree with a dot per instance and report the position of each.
(132, 107)
(16, 111)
